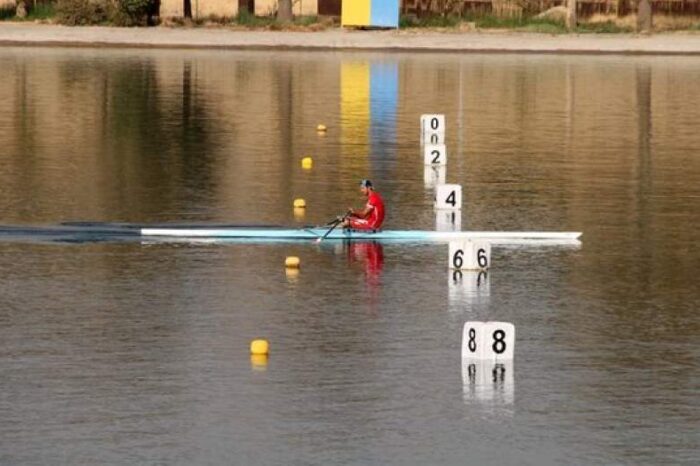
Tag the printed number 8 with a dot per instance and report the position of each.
(499, 344)
(472, 340)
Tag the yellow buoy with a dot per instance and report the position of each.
(307, 163)
(259, 347)
(299, 203)
(292, 262)
(321, 128)
(299, 213)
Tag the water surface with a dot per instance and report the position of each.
(137, 352)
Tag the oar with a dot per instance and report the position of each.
(334, 224)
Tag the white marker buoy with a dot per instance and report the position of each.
(434, 154)
(494, 341)
(448, 196)
(470, 255)
(432, 129)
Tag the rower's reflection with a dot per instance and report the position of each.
(370, 255)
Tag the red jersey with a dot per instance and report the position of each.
(376, 216)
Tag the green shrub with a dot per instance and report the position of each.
(41, 11)
(132, 12)
(607, 27)
(433, 21)
(83, 12)
(7, 13)
(117, 12)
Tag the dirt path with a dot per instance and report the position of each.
(337, 39)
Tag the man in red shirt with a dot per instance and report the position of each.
(372, 216)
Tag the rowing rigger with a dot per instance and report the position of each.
(165, 232)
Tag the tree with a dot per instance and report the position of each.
(284, 11)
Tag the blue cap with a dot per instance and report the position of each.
(366, 183)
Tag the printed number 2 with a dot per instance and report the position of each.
(436, 156)
(451, 199)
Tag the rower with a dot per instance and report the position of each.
(372, 216)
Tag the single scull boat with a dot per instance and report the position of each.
(164, 232)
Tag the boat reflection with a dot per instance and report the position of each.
(370, 255)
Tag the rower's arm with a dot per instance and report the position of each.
(363, 213)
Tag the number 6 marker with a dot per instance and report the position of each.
(469, 255)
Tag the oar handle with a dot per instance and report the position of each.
(334, 224)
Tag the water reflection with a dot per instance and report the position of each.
(468, 288)
(369, 255)
(489, 386)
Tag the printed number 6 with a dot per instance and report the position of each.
(481, 258)
(457, 260)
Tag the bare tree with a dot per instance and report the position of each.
(284, 11)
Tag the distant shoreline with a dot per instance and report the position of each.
(668, 44)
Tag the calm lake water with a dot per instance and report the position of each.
(137, 352)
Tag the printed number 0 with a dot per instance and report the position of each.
(434, 123)
(481, 258)
(436, 156)
(457, 260)
(451, 199)
(434, 139)
(499, 344)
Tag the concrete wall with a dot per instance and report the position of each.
(200, 8)
(227, 8)
(299, 7)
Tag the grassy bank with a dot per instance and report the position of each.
(42, 12)
(520, 24)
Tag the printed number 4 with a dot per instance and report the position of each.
(451, 199)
